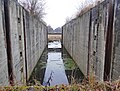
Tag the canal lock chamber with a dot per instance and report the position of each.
(55, 67)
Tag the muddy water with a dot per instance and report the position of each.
(55, 67)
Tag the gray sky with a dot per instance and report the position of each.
(58, 10)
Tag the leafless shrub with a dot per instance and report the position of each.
(68, 19)
(35, 7)
(85, 6)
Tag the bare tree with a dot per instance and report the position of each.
(35, 7)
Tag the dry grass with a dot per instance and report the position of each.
(86, 85)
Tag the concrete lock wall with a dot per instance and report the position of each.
(36, 40)
(75, 40)
(92, 41)
(3, 55)
(97, 39)
(116, 42)
(23, 39)
(17, 61)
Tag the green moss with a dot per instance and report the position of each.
(69, 64)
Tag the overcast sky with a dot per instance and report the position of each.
(58, 10)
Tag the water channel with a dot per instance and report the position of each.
(55, 67)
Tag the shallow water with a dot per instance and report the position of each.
(55, 67)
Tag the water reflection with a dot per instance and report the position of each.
(55, 67)
(55, 71)
(54, 44)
